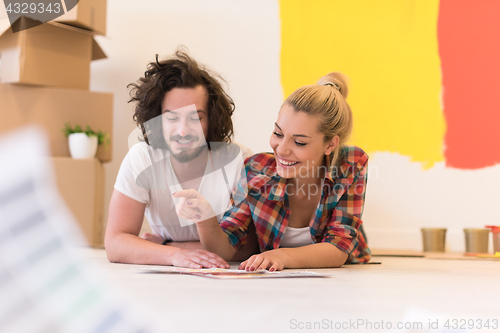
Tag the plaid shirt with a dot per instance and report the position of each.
(261, 198)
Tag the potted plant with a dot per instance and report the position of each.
(83, 143)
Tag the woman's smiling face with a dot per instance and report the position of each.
(299, 146)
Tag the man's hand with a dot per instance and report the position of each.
(192, 206)
(274, 260)
(198, 259)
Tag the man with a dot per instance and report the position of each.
(185, 118)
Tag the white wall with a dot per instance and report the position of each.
(241, 41)
(402, 198)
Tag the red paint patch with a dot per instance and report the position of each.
(469, 46)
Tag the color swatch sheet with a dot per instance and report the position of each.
(219, 273)
(44, 285)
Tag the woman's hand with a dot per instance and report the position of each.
(274, 260)
(192, 206)
(198, 259)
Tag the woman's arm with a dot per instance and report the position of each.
(192, 206)
(214, 239)
(123, 244)
(321, 255)
(251, 246)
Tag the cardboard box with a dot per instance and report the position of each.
(51, 54)
(87, 14)
(81, 185)
(51, 108)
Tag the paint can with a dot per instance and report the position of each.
(496, 242)
(476, 240)
(434, 239)
(495, 232)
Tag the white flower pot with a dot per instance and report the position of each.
(82, 146)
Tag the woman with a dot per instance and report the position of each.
(306, 199)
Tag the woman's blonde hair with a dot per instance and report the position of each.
(327, 101)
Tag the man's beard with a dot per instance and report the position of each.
(188, 154)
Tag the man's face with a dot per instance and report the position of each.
(185, 121)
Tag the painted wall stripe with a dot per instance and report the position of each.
(389, 51)
(469, 46)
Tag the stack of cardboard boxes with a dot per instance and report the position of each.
(44, 80)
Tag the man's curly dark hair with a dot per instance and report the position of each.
(180, 71)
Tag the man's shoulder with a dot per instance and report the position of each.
(143, 152)
(139, 149)
(226, 153)
(146, 163)
(245, 151)
(223, 149)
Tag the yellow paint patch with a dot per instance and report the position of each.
(389, 51)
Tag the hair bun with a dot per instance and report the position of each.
(333, 84)
(336, 80)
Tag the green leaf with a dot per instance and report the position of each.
(102, 138)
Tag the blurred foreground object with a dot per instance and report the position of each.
(44, 286)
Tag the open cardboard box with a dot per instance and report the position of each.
(87, 14)
(51, 108)
(50, 54)
(81, 185)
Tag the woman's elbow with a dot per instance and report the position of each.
(343, 259)
(338, 260)
(337, 264)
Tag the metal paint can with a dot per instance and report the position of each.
(434, 239)
(476, 240)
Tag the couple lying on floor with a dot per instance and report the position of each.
(209, 201)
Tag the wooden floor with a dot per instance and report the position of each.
(412, 292)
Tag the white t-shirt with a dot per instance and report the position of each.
(296, 237)
(146, 175)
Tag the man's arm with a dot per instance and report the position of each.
(251, 247)
(124, 246)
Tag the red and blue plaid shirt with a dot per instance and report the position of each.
(261, 198)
